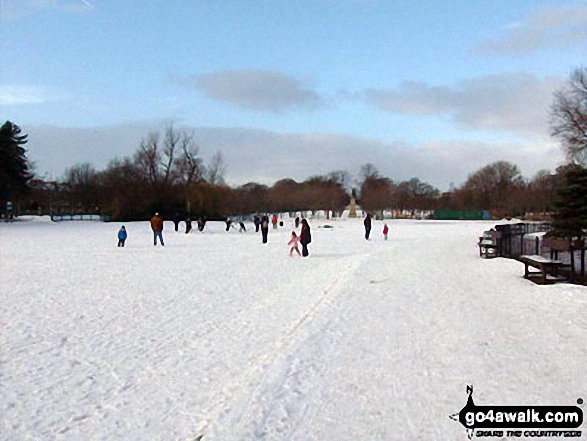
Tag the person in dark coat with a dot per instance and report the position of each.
(122, 236)
(297, 222)
(157, 227)
(305, 237)
(201, 224)
(265, 227)
(367, 223)
(176, 220)
(228, 224)
(242, 229)
(257, 223)
(188, 225)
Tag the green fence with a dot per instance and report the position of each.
(461, 215)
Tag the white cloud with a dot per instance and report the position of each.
(270, 91)
(82, 6)
(13, 9)
(265, 156)
(545, 28)
(513, 102)
(17, 95)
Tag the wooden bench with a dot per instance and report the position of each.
(488, 244)
(545, 266)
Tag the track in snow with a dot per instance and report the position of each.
(220, 336)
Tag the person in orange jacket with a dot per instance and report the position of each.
(157, 227)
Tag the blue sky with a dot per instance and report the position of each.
(434, 89)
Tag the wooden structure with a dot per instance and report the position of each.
(562, 248)
(511, 242)
(489, 244)
(545, 266)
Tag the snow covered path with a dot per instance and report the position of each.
(218, 335)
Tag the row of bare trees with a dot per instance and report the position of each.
(380, 193)
(498, 187)
(129, 190)
(166, 174)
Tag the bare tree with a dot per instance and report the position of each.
(216, 169)
(81, 174)
(376, 192)
(421, 194)
(253, 198)
(341, 177)
(188, 166)
(148, 158)
(569, 116)
(541, 191)
(494, 186)
(171, 140)
(324, 193)
(367, 171)
(84, 184)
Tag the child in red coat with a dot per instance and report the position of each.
(385, 231)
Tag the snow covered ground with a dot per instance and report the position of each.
(218, 335)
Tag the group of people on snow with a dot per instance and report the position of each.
(368, 224)
(262, 223)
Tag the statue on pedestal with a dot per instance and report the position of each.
(353, 205)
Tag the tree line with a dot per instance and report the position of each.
(166, 174)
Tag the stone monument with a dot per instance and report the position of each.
(353, 205)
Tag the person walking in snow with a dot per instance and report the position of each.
(188, 225)
(157, 227)
(274, 221)
(297, 221)
(385, 231)
(176, 220)
(293, 243)
(257, 222)
(305, 237)
(122, 236)
(265, 227)
(367, 223)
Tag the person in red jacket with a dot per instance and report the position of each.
(274, 221)
(385, 231)
(157, 227)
